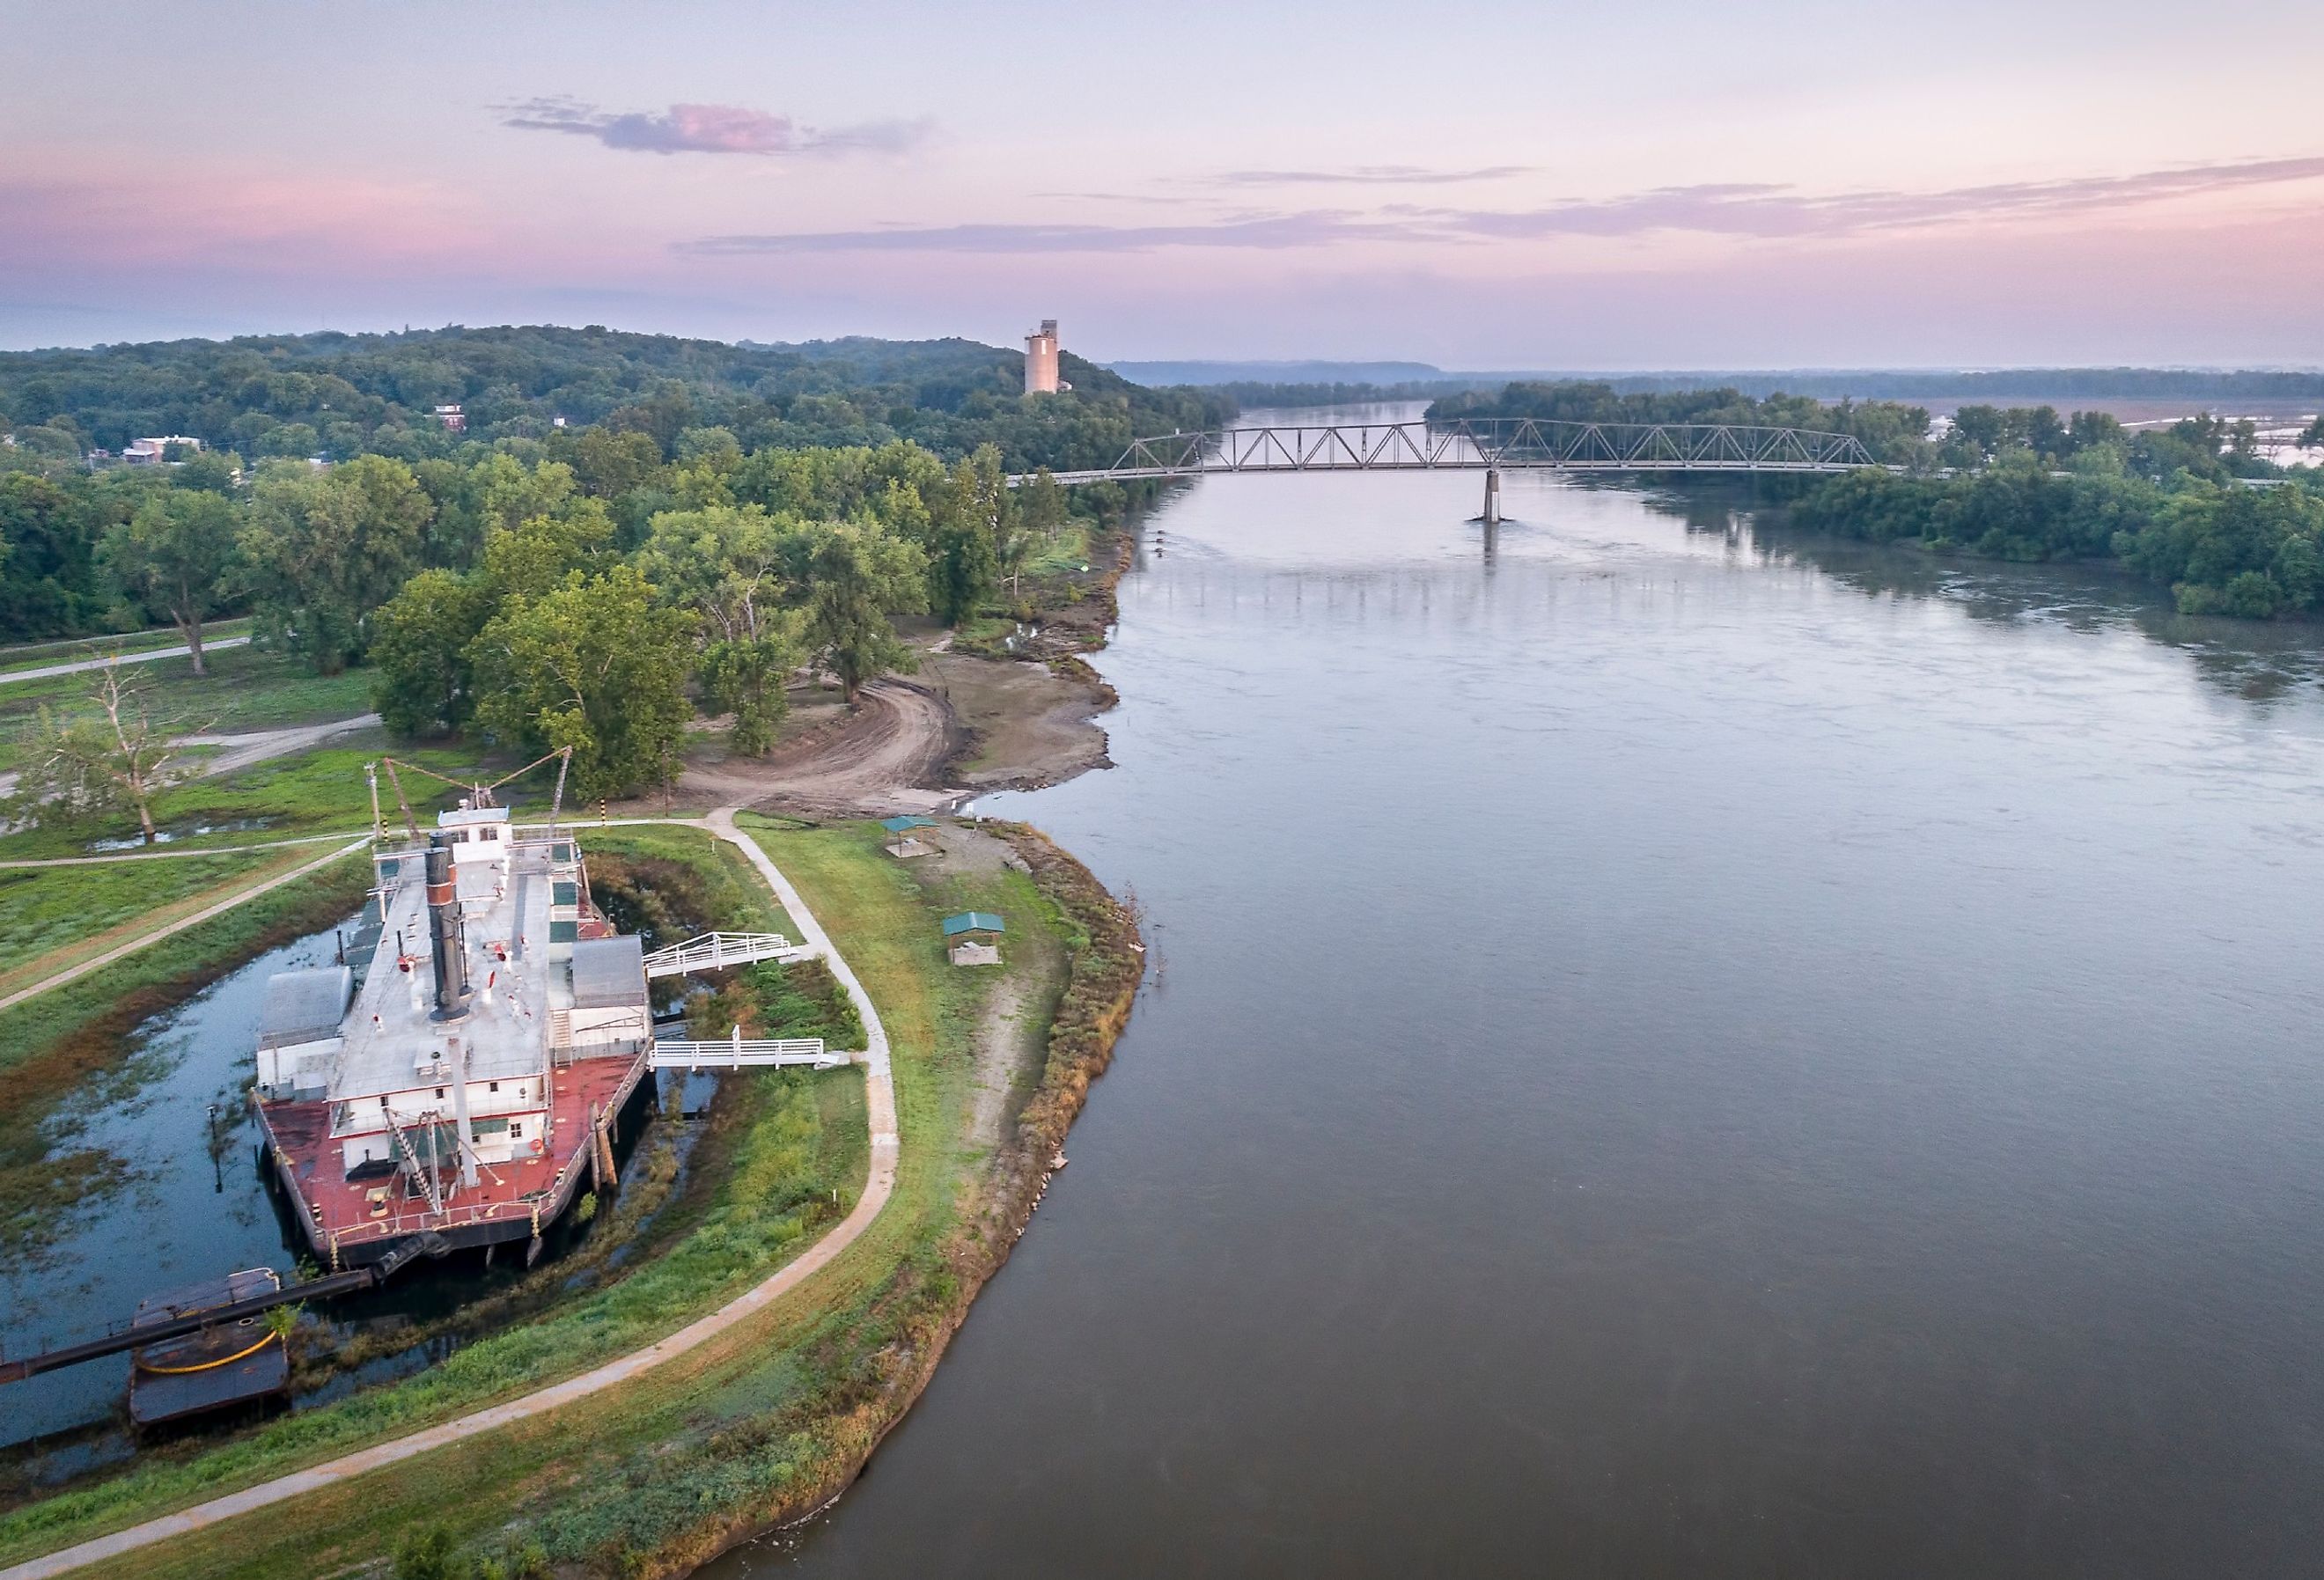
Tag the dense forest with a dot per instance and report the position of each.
(619, 529)
(641, 414)
(1891, 433)
(338, 396)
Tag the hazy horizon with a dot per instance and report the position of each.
(1815, 187)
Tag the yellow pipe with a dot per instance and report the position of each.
(207, 1365)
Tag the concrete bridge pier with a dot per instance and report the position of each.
(1492, 517)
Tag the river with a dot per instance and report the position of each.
(1670, 1053)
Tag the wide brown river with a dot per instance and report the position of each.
(1673, 1052)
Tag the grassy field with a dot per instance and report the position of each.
(51, 918)
(317, 791)
(33, 655)
(246, 690)
(650, 1476)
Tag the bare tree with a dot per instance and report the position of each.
(86, 765)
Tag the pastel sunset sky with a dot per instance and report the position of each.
(1478, 183)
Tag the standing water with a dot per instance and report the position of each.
(1667, 1055)
(171, 1193)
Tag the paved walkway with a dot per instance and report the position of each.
(880, 1096)
(77, 665)
(73, 973)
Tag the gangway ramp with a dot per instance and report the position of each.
(718, 951)
(738, 1052)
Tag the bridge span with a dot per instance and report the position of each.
(1491, 446)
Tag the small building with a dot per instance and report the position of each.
(900, 843)
(974, 938)
(453, 419)
(154, 452)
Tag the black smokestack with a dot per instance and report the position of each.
(443, 928)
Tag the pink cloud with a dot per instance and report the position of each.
(1750, 211)
(707, 129)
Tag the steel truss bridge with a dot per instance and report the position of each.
(1483, 445)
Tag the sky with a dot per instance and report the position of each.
(1477, 183)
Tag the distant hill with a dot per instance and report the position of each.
(340, 394)
(1319, 383)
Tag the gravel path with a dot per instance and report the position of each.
(77, 665)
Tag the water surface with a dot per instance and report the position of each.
(1673, 1054)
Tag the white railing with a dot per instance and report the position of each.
(738, 1052)
(715, 951)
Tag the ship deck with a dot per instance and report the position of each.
(510, 1198)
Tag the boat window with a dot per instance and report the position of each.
(440, 1091)
(496, 1086)
(516, 1130)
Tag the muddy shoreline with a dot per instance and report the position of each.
(1101, 986)
(1020, 713)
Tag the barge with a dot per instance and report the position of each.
(465, 1086)
(236, 1359)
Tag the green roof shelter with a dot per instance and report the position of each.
(901, 843)
(974, 938)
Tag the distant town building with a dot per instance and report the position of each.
(1041, 359)
(149, 452)
(453, 420)
(556, 422)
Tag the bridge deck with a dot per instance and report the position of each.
(1519, 444)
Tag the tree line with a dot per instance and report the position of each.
(1890, 431)
(508, 596)
(339, 396)
(2220, 545)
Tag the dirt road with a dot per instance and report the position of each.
(886, 756)
(963, 726)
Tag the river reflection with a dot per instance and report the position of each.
(1682, 1052)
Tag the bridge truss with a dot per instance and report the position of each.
(1486, 445)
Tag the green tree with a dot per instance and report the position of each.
(536, 555)
(328, 548)
(177, 554)
(725, 564)
(424, 684)
(859, 575)
(964, 550)
(1042, 504)
(597, 664)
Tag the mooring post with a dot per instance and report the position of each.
(1493, 497)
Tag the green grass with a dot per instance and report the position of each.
(1069, 550)
(33, 655)
(246, 690)
(158, 976)
(774, 1408)
(317, 791)
(44, 912)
